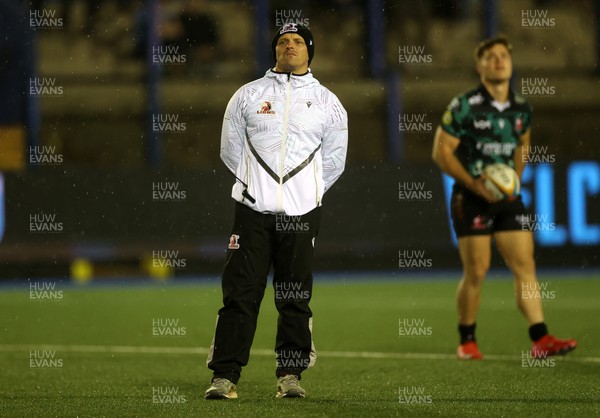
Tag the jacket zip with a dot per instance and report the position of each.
(284, 140)
(316, 182)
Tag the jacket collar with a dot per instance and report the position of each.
(297, 80)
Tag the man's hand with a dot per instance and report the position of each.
(444, 146)
(477, 186)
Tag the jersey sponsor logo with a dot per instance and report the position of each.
(482, 124)
(233, 242)
(488, 149)
(309, 104)
(475, 100)
(265, 109)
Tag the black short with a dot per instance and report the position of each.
(472, 215)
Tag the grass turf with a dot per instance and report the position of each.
(354, 317)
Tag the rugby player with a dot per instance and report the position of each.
(491, 124)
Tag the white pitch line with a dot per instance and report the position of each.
(131, 349)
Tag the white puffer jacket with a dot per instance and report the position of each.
(284, 136)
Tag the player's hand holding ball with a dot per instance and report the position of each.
(477, 186)
(501, 181)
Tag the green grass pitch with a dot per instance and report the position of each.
(93, 352)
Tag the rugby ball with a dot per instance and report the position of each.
(502, 181)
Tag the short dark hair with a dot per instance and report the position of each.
(490, 42)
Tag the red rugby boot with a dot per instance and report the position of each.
(549, 345)
(469, 351)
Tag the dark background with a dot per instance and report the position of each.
(102, 189)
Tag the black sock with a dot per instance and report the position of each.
(537, 331)
(467, 333)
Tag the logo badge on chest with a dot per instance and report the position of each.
(265, 109)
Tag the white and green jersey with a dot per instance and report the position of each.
(489, 131)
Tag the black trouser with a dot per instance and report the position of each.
(259, 240)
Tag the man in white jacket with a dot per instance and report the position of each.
(285, 138)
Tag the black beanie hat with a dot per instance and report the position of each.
(300, 30)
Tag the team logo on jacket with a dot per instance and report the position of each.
(233, 242)
(265, 109)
